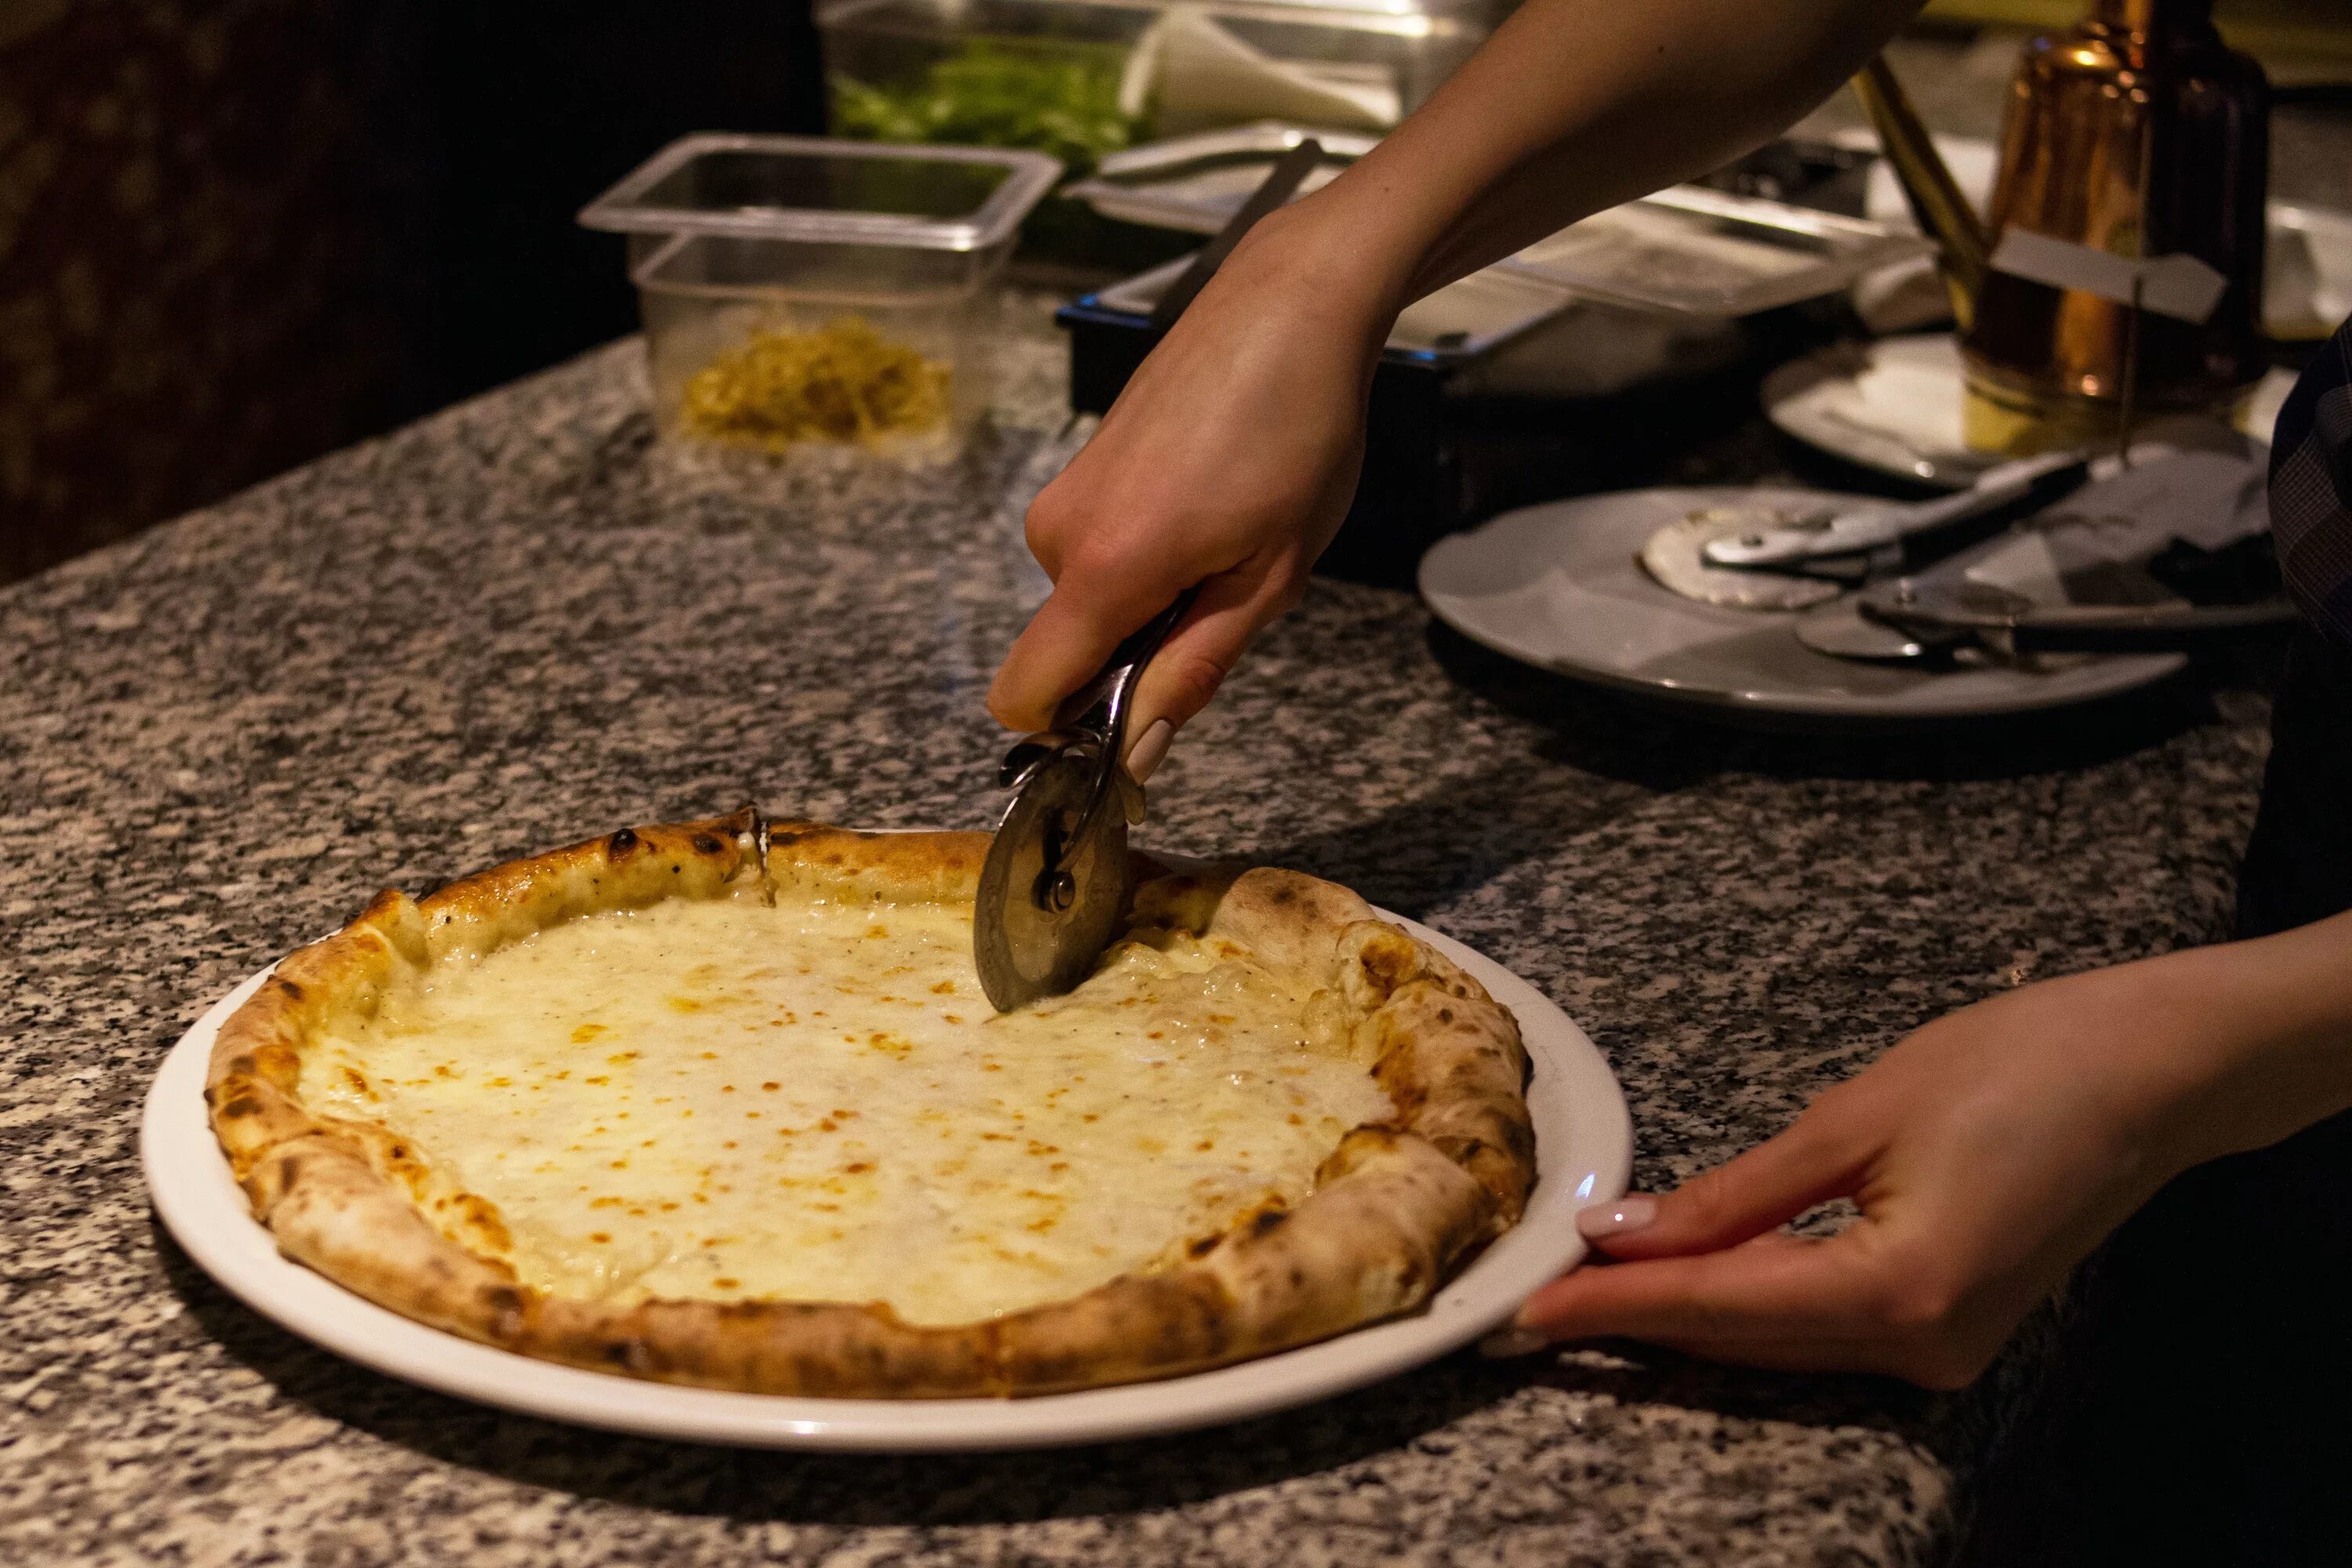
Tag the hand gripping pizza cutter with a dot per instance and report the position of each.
(1055, 881)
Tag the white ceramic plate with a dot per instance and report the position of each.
(1557, 586)
(1584, 1145)
(1896, 405)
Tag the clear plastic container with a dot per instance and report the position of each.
(1083, 79)
(802, 290)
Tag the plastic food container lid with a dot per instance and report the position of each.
(1687, 249)
(1457, 323)
(1195, 183)
(1708, 253)
(821, 190)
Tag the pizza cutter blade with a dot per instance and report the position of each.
(1054, 886)
(1055, 881)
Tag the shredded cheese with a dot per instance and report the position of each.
(845, 383)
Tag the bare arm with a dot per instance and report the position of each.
(1574, 106)
(1231, 457)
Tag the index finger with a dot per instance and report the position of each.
(1778, 1289)
(1066, 641)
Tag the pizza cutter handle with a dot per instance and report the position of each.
(1101, 705)
(1098, 711)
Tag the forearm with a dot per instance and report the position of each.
(1571, 107)
(2268, 1051)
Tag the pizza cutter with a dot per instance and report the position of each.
(1775, 558)
(1055, 881)
(1831, 533)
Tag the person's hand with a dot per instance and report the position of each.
(1988, 1152)
(1228, 461)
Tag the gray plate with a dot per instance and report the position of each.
(1558, 587)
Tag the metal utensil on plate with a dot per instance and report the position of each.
(2192, 566)
(1055, 881)
(1942, 614)
(1831, 531)
(1772, 558)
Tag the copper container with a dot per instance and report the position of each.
(2136, 131)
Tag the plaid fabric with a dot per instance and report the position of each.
(2311, 490)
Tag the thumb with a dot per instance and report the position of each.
(1758, 1191)
(1067, 639)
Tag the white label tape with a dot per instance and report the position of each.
(2179, 285)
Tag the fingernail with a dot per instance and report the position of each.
(1143, 757)
(1504, 1343)
(1616, 1217)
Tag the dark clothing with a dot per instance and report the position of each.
(2220, 1315)
(2204, 1413)
(2311, 490)
(2298, 865)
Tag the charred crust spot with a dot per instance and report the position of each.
(1387, 961)
(630, 1353)
(290, 989)
(1201, 1246)
(1268, 1222)
(1285, 895)
(502, 1299)
(243, 1105)
(777, 837)
(708, 843)
(622, 844)
(1446, 1014)
(241, 1065)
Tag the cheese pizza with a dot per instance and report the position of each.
(721, 1103)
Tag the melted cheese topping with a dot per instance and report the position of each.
(816, 1102)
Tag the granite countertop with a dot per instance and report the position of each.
(518, 623)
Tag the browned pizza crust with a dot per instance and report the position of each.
(1394, 1209)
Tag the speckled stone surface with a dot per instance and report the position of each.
(514, 626)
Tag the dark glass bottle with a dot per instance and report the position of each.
(2138, 133)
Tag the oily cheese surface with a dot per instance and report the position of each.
(720, 1099)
